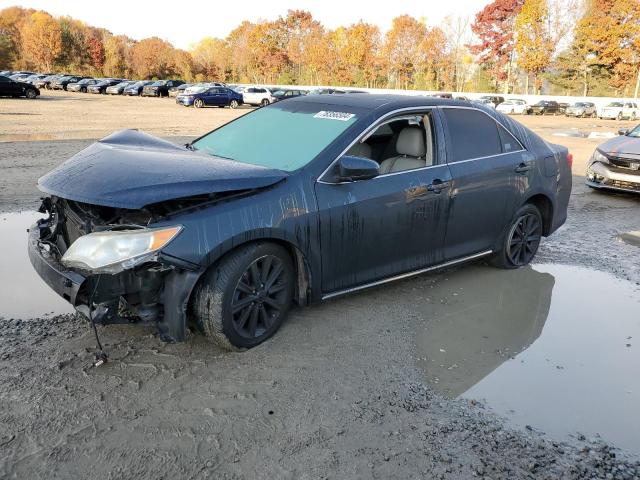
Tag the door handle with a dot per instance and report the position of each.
(523, 168)
(437, 186)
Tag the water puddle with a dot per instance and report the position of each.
(553, 347)
(22, 293)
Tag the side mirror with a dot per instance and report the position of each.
(623, 131)
(352, 168)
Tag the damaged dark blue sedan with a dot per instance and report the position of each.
(296, 202)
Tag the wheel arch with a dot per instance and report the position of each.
(301, 263)
(545, 205)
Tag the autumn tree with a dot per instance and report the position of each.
(152, 57)
(211, 58)
(41, 41)
(239, 44)
(12, 20)
(361, 53)
(534, 46)
(299, 30)
(456, 32)
(116, 56)
(402, 49)
(268, 55)
(95, 46)
(494, 27)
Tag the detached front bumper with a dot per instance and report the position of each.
(602, 176)
(161, 295)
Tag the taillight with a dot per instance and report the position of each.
(569, 160)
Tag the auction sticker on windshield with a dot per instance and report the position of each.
(342, 116)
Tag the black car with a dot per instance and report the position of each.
(136, 88)
(546, 107)
(285, 94)
(102, 85)
(160, 88)
(615, 164)
(11, 88)
(62, 82)
(82, 85)
(225, 233)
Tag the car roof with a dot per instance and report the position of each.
(377, 101)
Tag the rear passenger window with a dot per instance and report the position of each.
(472, 134)
(508, 141)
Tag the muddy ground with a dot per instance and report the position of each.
(338, 393)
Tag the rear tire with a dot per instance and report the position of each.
(31, 93)
(244, 299)
(521, 239)
(264, 102)
(233, 104)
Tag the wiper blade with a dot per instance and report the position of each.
(189, 146)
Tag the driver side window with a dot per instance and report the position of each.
(405, 143)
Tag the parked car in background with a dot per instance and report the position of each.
(513, 106)
(287, 93)
(487, 102)
(327, 91)
(11, 88)
(210, 96)
(630, 111)
(462, 98)
(619, 111)
(102, 85)
(175, 91)
(442, 95)
(118, 88)
(615, 164)
(581, 109)
(62, 82)
(34, 78)
(46, 81)
(82, 85)
(160, 88)
(258, 96)
(136, 88)
(562, 107)
(495, 100)
(236, 226)
(545, 107)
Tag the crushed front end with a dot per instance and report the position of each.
(617, 171)
(108, 263)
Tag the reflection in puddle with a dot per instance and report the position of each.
(23, 294)
(554, 347)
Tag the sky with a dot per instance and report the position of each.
(185, 22)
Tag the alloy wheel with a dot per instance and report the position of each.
(234, 104)
(260, 297)
(524, 239)
(198, 103)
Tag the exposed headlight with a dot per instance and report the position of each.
(598, 156)
(115, 251)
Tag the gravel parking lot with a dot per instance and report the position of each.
(403, 381)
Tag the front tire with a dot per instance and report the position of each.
(244, 299)
(521, 240)
(198, 103)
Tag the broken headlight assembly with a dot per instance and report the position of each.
(598, 156)
(113, 251)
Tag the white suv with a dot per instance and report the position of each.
(620, 110)
(258, 96)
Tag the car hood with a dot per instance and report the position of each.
(131, 169)
(622, 145)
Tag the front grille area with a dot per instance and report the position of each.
(626, 185)
(624, 163)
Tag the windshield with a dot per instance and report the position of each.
(580, 105)
(159, 83)
(615, 104)
(635, 133)
(123, 84)
(257, 138)
(85, 81)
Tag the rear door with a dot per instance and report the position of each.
(7, 86)
(488, 166)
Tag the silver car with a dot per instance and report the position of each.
(581, 109)
(615, 165)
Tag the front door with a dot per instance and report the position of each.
(385, 226)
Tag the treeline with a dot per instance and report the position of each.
(571, 47)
